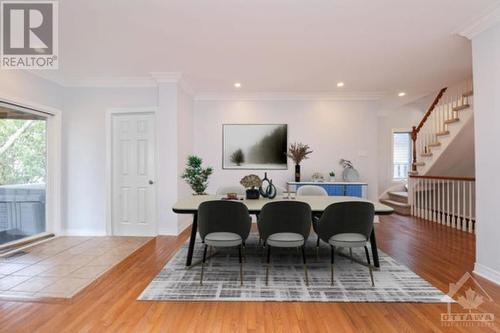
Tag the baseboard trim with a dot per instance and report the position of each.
(487, 273)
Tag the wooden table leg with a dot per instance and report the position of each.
(373, 243)
(192, 240)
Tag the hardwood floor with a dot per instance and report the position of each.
(439, 254)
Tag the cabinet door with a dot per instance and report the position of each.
(354, 191)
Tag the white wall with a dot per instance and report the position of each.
(333, 129)
(402, 118)
(486, 65)
(29, 88)
(84, 152)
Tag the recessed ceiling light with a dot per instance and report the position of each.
(340, 84)
(237, 85)
(402, 94)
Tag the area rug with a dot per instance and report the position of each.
(393, 282)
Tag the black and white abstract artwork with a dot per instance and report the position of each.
(254, 146)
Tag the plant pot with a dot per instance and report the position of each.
(332, 179)
(252, 193)
(297, 173)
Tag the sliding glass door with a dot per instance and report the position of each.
(23, 173)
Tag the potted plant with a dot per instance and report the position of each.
(298, 152)
(195, 175)
(332, 176)
(251, 183)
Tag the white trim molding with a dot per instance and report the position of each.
(173, 77)
(487, 273)
(284, 96)
(487, 20)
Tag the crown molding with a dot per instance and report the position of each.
(111, 82)
(290, 96)
(173, 77)
(487, 20)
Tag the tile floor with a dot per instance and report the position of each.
(63, 266)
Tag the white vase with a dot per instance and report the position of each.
(332, 179)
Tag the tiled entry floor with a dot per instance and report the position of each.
(63, 266)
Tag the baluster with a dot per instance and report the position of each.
(453, 205)
(470, 207)
(439, 208)
(459, 206)
(448, 218)
(433, 200)
(464, 214)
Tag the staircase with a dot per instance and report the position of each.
(398, 200)
(450, 112)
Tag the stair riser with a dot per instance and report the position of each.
(398, 198)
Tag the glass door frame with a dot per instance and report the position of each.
(53, 207)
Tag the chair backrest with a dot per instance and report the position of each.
(223, 216)
(346, 217)
(285, 216)
(311, 190)
(223, 190)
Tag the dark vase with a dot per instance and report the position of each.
(252, 193)
(297, 172)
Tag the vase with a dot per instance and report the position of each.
(252, 193)
(297, 172)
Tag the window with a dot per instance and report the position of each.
(401, 154)
(23, 171)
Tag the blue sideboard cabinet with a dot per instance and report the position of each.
(351, 189)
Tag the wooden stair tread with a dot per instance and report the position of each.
(452, 120)
(395, 203)
(461, 107)
(419, 164)
(434, 144)
(468, 93)
(443, 133)
(426, 154)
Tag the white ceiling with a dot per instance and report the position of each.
(271, 45)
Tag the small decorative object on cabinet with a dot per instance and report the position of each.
(267, 189)
(349, 174)
(251, 183)
(195, 175)
(332, 176)
(317, 177)
(298, 152)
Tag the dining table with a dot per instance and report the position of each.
(318, 204)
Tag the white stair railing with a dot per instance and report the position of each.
(448, 201)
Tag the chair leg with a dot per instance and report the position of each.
(203, 263)
(209, 253)
(332, 261)
(317, 249)
(303, 247)
(350, 254)
(268, 263)
(369, 266)
(241, 263)
(367, 255)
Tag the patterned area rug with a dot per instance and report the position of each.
(393, 282)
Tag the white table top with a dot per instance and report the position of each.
(190, 204)
(325, 182)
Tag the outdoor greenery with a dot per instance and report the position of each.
(22, 151)
(195, 175)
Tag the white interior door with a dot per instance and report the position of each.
(133, 168)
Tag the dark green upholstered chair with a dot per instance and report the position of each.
(347, 224)
(223, 223)
(285, 224)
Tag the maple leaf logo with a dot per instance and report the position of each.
(471, 300)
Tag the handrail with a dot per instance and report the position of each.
(417, 129)
(472, 179)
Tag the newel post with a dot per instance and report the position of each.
(414, 149)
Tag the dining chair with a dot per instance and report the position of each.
(223, 224)
(307, 190)
(347, 224)
(223, 190)
(285, 224)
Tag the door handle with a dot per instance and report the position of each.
(151, 182)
